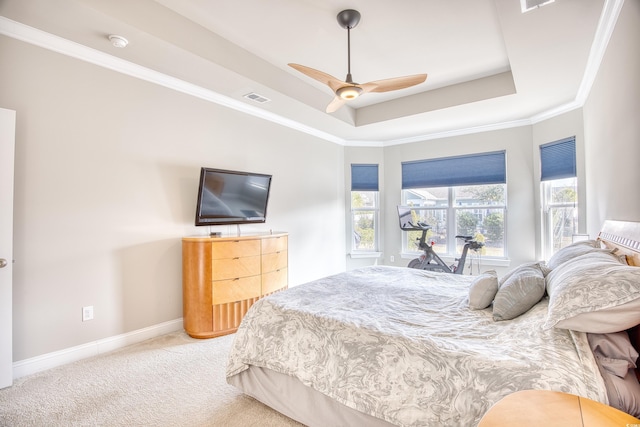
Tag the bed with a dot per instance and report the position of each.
(384, 345)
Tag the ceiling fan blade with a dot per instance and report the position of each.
(396, 83)
(335, 104)
(325, 78)
(367, 87)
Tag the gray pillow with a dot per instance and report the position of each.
(523, 288)
(574, 250)
(540, 265)
(482, 290)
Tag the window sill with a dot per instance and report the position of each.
(365, 254)
(486, 261)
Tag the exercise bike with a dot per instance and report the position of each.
(430, 259)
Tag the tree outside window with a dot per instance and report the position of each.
(364, 214)
(560, 206)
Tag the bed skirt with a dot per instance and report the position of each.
(290, 397)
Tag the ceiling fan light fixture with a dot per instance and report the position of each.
(349, 92)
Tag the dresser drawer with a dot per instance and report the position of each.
(274, 244)
(274, 281)
(225, 291)
(235, 248)
(274, 261)
(235, 267)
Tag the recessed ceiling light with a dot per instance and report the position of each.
(118, 41)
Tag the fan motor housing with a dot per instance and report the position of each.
(348, 18)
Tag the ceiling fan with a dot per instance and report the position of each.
(348, 89)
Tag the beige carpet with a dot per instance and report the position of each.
(172, 380)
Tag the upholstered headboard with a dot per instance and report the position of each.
(623, 235)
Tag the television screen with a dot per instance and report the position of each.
(231, 197)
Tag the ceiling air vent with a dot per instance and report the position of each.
(528, 5)
(257, 98)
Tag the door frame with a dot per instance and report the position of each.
(7, 153)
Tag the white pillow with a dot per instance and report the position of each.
(482, 290)
(594, 293)
(574, 250)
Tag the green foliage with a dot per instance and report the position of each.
(364, 227)
(566, 195)
(356, 199)
(494, 223)
(487, 193)
(466, 223)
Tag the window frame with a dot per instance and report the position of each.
(473, 169)
(558, 162)
(451, 211)
(376, 224)
(365, 179)
(548, 241)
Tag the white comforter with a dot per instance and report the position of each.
(401, 344)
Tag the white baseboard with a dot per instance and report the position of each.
(57, 358)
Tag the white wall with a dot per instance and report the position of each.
(106, 174)
(612, 127)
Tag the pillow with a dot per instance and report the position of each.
(594, 293)
(523, 287)
(540, 265)
(482, 290)
(574, 250)
(616, 358)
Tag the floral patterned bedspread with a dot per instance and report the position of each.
(402, 345)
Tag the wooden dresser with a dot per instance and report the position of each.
(222, 277)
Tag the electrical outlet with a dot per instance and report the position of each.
(87, 313)
(393, 258)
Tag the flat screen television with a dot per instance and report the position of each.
(232, 197)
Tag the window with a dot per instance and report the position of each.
(559, 189)
(464, 195)
(364, 208)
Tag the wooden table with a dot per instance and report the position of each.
(535, 408)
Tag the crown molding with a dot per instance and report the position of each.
(607, 23)
(75, 50)
(34, 36)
